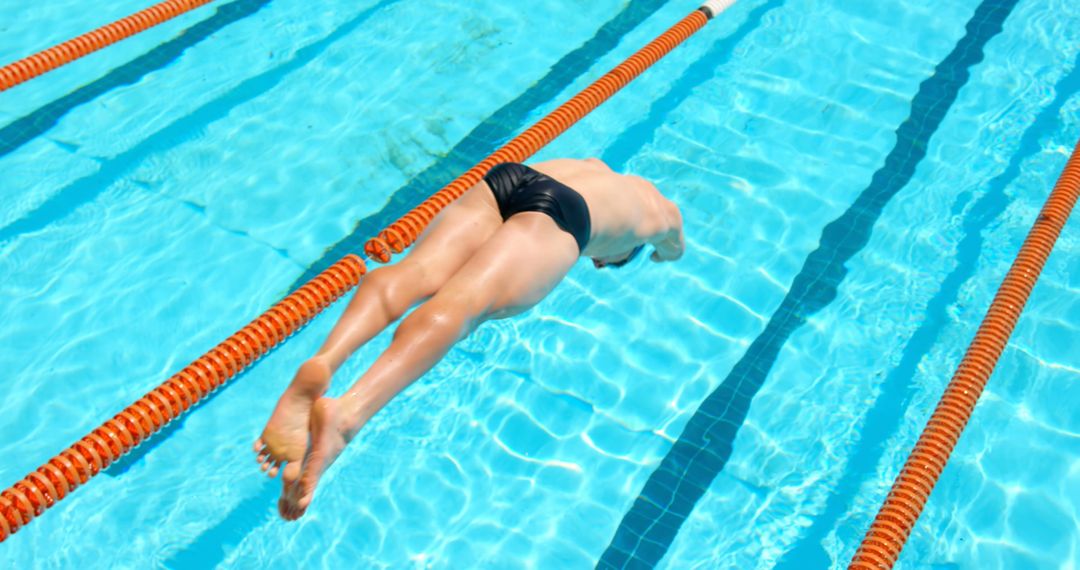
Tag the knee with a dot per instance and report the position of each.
(380, 277)
(394, 286)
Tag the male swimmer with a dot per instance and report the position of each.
(494, 253)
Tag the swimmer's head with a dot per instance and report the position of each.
(618, 261)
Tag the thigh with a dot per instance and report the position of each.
(516, 268)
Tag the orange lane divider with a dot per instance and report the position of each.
(61, 54)
(58, 477)
(890, 530)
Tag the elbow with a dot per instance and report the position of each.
(674, 214)
(673, 220)
(674, 238)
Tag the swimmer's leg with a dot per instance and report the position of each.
(383, 296)
(419, 342)
(513, 271)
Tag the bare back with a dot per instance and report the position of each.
(625, 211)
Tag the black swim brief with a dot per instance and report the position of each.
(518, 188)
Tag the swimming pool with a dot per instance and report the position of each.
(167, 189)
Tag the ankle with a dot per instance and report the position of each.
(357, 411)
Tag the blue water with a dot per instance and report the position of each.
(855, 179)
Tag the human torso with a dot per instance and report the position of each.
(620, 207)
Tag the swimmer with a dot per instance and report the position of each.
(492, 254)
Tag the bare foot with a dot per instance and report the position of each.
(285, 437)
(329, 435)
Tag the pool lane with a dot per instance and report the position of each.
(892, 403)
(703, 449)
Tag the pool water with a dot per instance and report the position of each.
(855, 179)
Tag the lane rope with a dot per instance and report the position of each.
(47, 60)
(894, 522)
(76, 465)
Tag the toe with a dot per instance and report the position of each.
(295, 511)
(274, 470)
(291, 511)
(306, 487)
(259, 445)
(287, 503)
(291, 472)
(283, 508)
